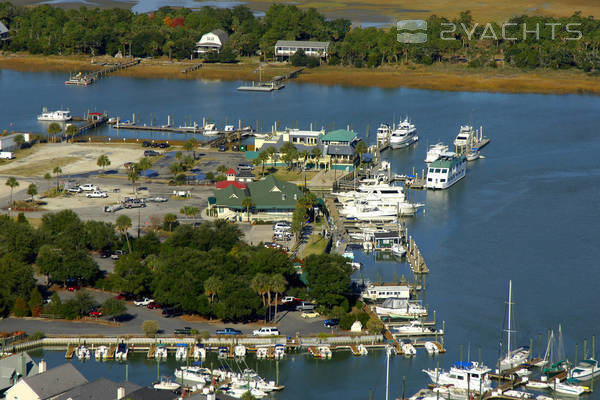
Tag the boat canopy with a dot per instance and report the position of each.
(463, 364)
(396, 303)
(182, 345)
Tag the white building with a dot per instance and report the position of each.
(287, 48)
(46, 385)
(8, 143)
(212, 41)
(386, 291)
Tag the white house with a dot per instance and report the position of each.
(212, 41)
(386, 291)
(46, 385)
(3, 31)
(287, 48)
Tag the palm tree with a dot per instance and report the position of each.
(248, 203)
(54, 129)
(57, 172)
(123, 223)
(304, 155)
(48, 177)
(316, 153)
(12, 183)
(259, 285)
(278, 285)
(103, 161)
(170, 219)
(72, 130)
(133, 176)
(212, 287)
(189, 211)
(32, 191)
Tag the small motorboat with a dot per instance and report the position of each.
(101, 353)
(160, 353)
(323, 352)
(223, 352)
(83, 353)
(567, 388)
(166, 384)
(408, 349)
(182, 351)
(279, 351)
(262, 352)
(121, 352)
(362, 350)
(239, 350)
(199, 352)
(431, 348)
(473, 154)
(398, 250)
(585, 370)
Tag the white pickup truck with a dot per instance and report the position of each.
(144, 302)
(97, 194)
(88, 187)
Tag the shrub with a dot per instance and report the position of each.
(346, 321)
(37, 335)
(20, 309)
(374, 326)
(363, 317)
(150, 328)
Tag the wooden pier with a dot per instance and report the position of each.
(415, 259)
(290, 75)
(112, 68)
(194, 67)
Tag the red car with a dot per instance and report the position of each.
(73, 288)
(154, 306)
(95, 313)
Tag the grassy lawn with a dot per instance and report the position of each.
(39, 168)
(316, 245)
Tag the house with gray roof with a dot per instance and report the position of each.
(287, 48)
(100, 389)
(47, 385)
(14, 368)
(147, 393)
(212, 41)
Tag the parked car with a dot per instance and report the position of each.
(266, 331)
(154, 306)
(245, 167)
(171, 312)
(310, 314)
(146, 143)
(74, 189)
(222, 147)
(151, 153)
(112, 208)
(158, 199)
(305, 306)
(73, 287)
(88, 187)
(289, 299)
(183, 331)
(282, 225)
(117, 254)
(228, 331)
(95, 313)
(134, 203)
(154, 145)
(97, 194)
(105, 254)
(164, 145)
(144, 302)
(330, 323)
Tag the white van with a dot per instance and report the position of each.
(266, 331)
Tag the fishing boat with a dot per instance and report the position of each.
(404, 135)
(239, 350)
(398, 249)
(262, 352)
(182, 351)
(517, 356)
(160, 352)
(121, 352)
(55, 116)
(434, 152)
(585, 370)
(101, 353)
(323, 352)
(463, 375)
(166, 384)
(567, 388)
(472, 154)
(279, 351)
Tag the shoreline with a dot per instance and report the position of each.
(435, 77)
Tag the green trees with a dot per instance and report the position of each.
(17, 282)
(113, 308)
(57, 173)
(278, 286)
(32, 190)
(289, 154)
(328, 278)
(133, 176)
(20, 141)
(316, 154)
(169, 220)
(150, 328)
(12, 183)
(123, 223)
(71, 131)
(131, 275)
(212, 287)
(190, 211)
(103, 161)
(48, 177)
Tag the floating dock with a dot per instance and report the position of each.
(261, 87)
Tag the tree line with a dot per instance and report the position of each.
(206, 270)
(173, 32)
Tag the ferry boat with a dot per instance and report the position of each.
(463, 375)
(434, 152)
(55, 116)
(404, 135)
(446, 171)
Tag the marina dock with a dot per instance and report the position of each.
(415, 259)
(194, 67)
(81, 79)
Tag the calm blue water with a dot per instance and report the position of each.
(528, 212)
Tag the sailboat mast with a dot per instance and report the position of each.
(509, 314)
(387, 375)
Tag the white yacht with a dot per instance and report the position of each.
(383, 132)
(434, 152)
(567, 388)
(193, 374)
(199, 352)
(463, 375)
(166, 384)
(401, 309)
(414, 327)
(446, 171)
(229, 128)
(160, 352)
(239, 350)
(182, 351)
(121, 352)
(210, 130)
(101, 353)
(465, 136)
(55, 116)
(378, 191)
(404, 135)
(585, 370)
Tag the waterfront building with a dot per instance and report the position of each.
(16, 367)
(272, 199)
(284, 49)
(230, 180)
(387, 290)
(386, 240)
(212, 41)
(48, 384)
(338, 146)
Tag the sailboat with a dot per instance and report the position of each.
(562, 364)
(514, 357)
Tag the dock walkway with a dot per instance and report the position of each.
(415, 259)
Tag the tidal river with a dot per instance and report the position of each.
(529, 211)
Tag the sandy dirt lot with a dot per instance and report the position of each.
(73, 158)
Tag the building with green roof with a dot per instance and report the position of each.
(272, 199)
(339, 137)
